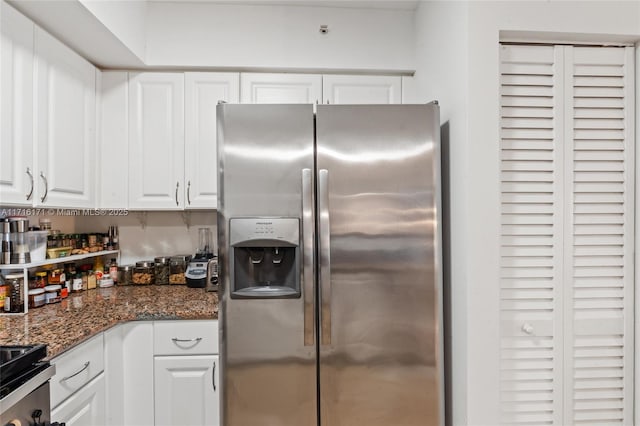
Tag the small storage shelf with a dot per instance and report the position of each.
(25, 267)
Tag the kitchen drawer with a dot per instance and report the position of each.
(185, 337)
(76, 367)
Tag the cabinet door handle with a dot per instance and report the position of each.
(177, 186)
(176, 340)
(30, 177)
(213, 376)
(46, 187)
(188, 190)
(86, 365)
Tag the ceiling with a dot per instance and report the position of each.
(369, 4)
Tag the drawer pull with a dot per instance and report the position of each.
(176, 340)
(86, 365)
(213, 376)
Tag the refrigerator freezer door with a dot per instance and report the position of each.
(268, 351)
(382, 363)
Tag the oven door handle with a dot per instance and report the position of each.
(86, 365)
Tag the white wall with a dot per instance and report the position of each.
(282, 37)
(474, 171)
(164, 233)
(441, 73)
(125, 19)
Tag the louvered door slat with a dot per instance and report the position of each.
(598, 248)
(530, 235)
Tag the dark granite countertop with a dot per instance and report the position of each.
(83, 315)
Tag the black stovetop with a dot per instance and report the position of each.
(20, 363)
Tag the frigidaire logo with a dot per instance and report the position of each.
(264, 223)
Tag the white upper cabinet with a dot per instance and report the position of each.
(156, 141)
(361, 89)
(264, 88)
(16, 110)
(113, 140)
(203, 91)
(65, 114)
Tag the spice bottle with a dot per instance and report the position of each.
(4, 291)
(113, 270)
(76, 285)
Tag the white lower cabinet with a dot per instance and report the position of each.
(162, 373)
(86, 407)
(186, 390)
(186, 372)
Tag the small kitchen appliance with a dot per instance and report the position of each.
(19, 227)
(196, 273)
(5, 233)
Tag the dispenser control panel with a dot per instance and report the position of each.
(285, 229)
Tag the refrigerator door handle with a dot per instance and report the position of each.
(307, 257)
(325, 257)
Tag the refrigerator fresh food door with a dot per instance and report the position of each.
(266, 223)
(379, 265)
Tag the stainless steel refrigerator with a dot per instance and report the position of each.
(329, 229)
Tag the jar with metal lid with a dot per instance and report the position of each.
(162, 270)
(36, 297)
(52, 293)
(14, 301)
(41, 279)
(54, 276)
(143, 273)
(125, 275)
(178, 266)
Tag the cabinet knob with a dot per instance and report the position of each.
(527, 328)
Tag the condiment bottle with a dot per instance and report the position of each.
(98, 264)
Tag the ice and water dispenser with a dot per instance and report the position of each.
(264, 257)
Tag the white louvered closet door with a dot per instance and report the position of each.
(566, 288)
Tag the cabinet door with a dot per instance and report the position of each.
(156, 141)
(85, 407)
(361, 89)
(203, 91)
(113, 137)
(129, 381)
(186, 390)
(65, 114)
(16, 110)
(263, 88)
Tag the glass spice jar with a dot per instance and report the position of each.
(14, 301)
(143, 273)
(125, 275)
(162, 270)
(178, 266)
